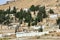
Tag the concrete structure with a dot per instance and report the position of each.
(22, 34)
(53, 16)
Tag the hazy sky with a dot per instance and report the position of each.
(3, 1)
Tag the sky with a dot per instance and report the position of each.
(3, 1)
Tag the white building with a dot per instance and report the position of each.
(53, 16)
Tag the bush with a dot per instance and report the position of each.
(51, 11)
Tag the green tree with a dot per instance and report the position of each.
(28, 18)
(58, 22)
(43, 11)
(37, 7)
(8, 11)
(1, 16)
(39, 16)
(20, 15)
(14, 11)
(32, 8)
(51, 11)
(3, 19)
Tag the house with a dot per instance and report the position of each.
(53, 16)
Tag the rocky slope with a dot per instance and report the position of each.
(27, 3)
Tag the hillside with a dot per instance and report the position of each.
(27, 3)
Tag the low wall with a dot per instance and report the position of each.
(22, 34)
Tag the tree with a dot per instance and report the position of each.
(6, 20)
(14, 11)
(8, 10)
(1, 16)
(20, 15)
(39, 17)
(28, 18)
(32, 8)
(58, 22)
(37, 7)
(43, 11)
(51, 11)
